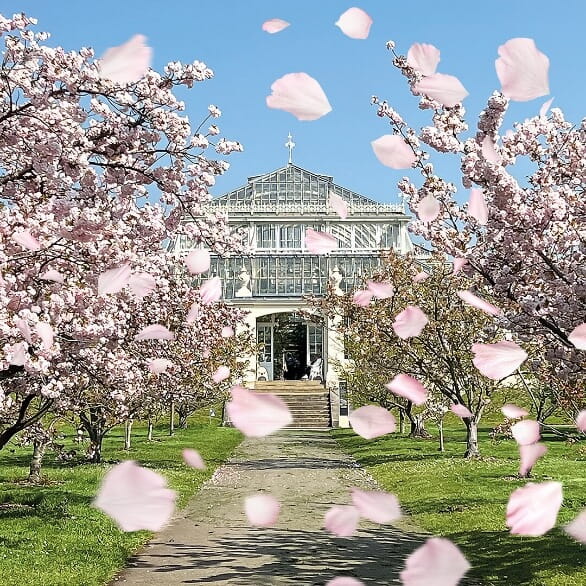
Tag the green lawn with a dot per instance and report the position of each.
(49, 534)
(466, 501)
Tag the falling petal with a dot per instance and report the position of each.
(478, 303)
(423, 58)
(26, 240)
(274, 25)
(342, 520)
(578, 337)
(46, 333)
(529, 454)
(381, 290)
(522, 70)
(24, 329)
(410, 322)
(319, 242)
(362, 297)
(198, 261)
(581, 421)
(142, 284)
(135, 498)
(428, 208)
(211, 291)
(227, 332)
(419, 277)
(477, 207)
(372, 421)
(114, 280)
(193, 458)
(159, 365)
(437, 562)
(445, 89)
(18, 354)
(52, 275)
(126, 63)
(355, 23)
(408, 387)
(460, 410)
(339, 205)
(376, 505)
(513, 412)
(544, 108)
(497, 361)
(155, 332)
(577, 528)
(459, 264)
(300, 95)
(221, 374)
(533, 509)
(345, 581)
(193, 313)
(392, 151)
(256, 414)
(489, 151)
(262, 510)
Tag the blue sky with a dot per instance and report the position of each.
(227, 36)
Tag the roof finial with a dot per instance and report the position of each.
(290, 145)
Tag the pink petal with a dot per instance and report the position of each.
(155, 332)
(211, 291)
(52, 275)
(530, 453)
(522, 70)
(142, 284)
(489, 151)
(159, 365)
(262, 510)
(221, 374)
(339, 205)
(577, 528)
(19, 354)
(342, 520)
(372, 421)
(526, 432)
(423, 58)
(544, 108)
(477, 207)
(460, 410)
(198, 261)
(578, 337)
(381, 290)
(46, 333)
(408, 387)
(114, 280)
(227, 332)
(419, 277)
(478, 303)
(345, 581)
(256, 414)
(193, 314)
(459, 264)
(497, 361)
(513, 412)
(362, 297)
(392, 151)
(24, 329)
(355, 23)
(376, 506)
(581, 421)
(532, 509)
(445, 89)
(193, 458)
(274, 25)
(319, 242)
(126, 63)
(26, 240)
(135, 498)
(437, 562)
(300, 95)
(428, 208)
(410, 322)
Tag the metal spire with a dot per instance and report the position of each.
(290, 145)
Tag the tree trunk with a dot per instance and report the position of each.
(183, 414)
(172, 419)
(127, 433)
(472, 450)
(39, 448)
(440, 428)
(150, 431)
(401, 421)
(418, 427)
(95, 425)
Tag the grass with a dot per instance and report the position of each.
(465, 501)
(50, 535)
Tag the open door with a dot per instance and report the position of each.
(265, 362)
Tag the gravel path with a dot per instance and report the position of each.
(210, 541)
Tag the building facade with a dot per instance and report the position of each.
(273, 211)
